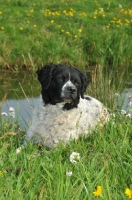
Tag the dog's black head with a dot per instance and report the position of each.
(61, 83)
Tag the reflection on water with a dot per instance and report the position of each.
(16, 85)
(12, 84)
(126, 99)
(23, 110)
(13, 88)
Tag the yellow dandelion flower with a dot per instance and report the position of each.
(0, 13)
(32, 10)
(127, 21)
(71, 14)
(57, 13)
(53, 14)
(84, 14)
(52, 21)
(119, 22)
(28, 15)
(107, 26)
(103, 15)
(2, 28)
(62, 31)
(128, 192)
(59, 26)
(35, 25)
(98, 192)
(75, 36)
(130, 12)
(68, 33)
(80, 30)
(1, 173)
(64, 11)
(28, 22)
(21, 28)
(94, 17)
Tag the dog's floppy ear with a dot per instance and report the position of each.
(85, 82)
(45, 75)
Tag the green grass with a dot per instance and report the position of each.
(78, 33)
(35, 173)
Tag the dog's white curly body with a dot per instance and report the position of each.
(51, 124)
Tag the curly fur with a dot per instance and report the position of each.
(45, 76)
(64, 112)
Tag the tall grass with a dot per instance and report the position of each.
(105, 86)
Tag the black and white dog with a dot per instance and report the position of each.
(63, 112)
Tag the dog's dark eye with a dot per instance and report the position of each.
(77, 82)
(62, 78)
(59, 78)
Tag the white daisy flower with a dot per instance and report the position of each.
(123, 112)
(128, 115)
(12, 112)
(130, 103)
(117, 94)
(69, 173)
(18, 150)
(74, 157)
(4, 113)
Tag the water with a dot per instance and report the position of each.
(126, 98)
(22, 91)
(23, 110)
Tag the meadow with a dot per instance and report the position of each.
(81, 33)
(94, 36)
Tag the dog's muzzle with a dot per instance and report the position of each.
(69, 91)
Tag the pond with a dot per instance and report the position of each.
(22, 91)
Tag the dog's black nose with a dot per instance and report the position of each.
(71, 89)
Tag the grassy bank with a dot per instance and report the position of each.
(35, 173)
(105, 157)
(80, 33)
